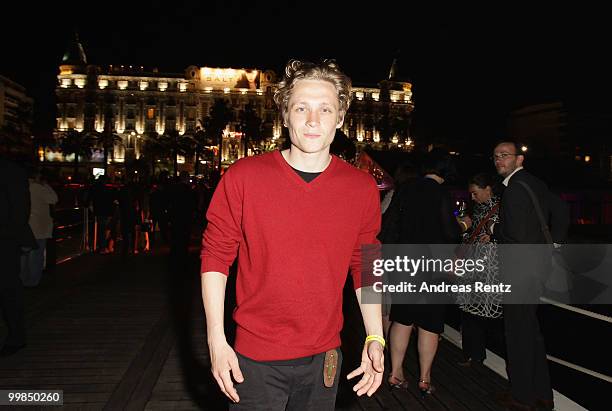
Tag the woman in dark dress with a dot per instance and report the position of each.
(421, 212)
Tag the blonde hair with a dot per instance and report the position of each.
(327, 70)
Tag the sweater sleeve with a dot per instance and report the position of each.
(370, 227)
(223, 233)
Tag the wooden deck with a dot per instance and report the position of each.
(116, 334)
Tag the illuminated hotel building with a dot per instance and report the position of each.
(138, 103)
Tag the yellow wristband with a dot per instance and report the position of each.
(464, 224)
(378, 338)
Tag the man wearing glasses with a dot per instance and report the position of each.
(526, 361)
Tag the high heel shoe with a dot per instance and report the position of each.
(396, 383)
(426, 388)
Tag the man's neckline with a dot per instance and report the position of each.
(296, 179)
(507, 179)
(295, 167)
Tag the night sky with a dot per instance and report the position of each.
(469, 66)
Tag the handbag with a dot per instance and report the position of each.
(559, 282)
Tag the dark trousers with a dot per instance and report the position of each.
(526, 361)
(285, 387)
(11, 294)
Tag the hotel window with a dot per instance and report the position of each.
(150, 113)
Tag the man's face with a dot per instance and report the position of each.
(313, 116)
(506, 159)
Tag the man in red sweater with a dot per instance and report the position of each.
(297, 220)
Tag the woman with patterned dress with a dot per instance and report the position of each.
(479, 309)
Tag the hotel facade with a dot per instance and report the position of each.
(135, 104)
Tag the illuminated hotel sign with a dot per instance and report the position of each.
(222, 78)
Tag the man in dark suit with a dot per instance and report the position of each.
(519, 223)
(15, 233)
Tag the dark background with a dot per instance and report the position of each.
(469, 65)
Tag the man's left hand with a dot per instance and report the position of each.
(372, 367)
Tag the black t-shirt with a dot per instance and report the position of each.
(307, 176)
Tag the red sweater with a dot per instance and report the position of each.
(295, 243)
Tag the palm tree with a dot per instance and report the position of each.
(251, 125)
(186, 146)
(201, 140)
(400, 126)
(78, 143)
(178, 144)
(384, 124)
(218, 118)
(107, 140)
(154, 147)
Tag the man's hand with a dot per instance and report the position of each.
(372, 367)
(224, 365)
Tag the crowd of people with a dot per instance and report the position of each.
(137, 214)
(421, 212)
(131, 213)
